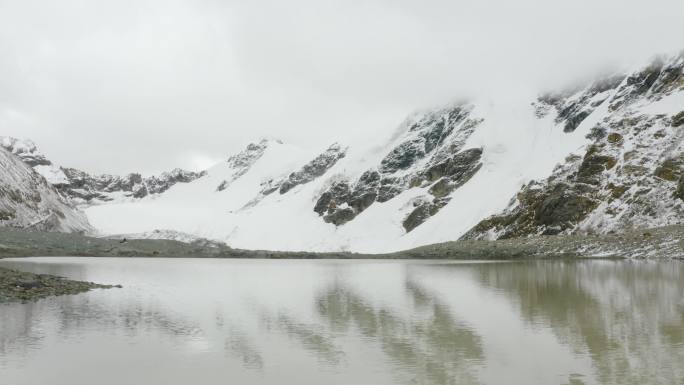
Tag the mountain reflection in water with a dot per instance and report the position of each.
(386, 322)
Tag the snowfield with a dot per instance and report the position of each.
(597, 159)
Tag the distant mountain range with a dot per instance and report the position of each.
(600, 158)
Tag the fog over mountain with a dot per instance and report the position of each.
(149, 85)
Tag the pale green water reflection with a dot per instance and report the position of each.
(346, 322)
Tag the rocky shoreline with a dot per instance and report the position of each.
(18, 286)
(658, 243)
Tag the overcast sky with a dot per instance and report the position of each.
(147, 85)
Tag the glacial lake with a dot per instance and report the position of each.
(243, 322)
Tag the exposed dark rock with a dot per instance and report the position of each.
(438, 136)
(644, 80)
(598, 193)
(593, 164)
(617, 191)
(670, 77)
(541, 211)
(161, 183)
(23, 287)
(614, 138)
(389, 188)
(314, 169)
(563, 207)
(340, 216)
(451, 173)
(27, 200)
(679, 193)
(678, 120)
(243, 161)
(671, 169)
(338, 194)
(454, 167)
(86, 187)
(422, 211)
(430, 132)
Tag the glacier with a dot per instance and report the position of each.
(598, 158)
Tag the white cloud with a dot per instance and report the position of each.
(138, 85)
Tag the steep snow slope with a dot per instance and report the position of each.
(602, 158)
(457, 159)
(28, 200)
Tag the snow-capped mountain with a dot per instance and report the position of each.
(631, 172)
(600, 158)
(27, 200)
(86, 189)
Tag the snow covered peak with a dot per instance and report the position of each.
(605, 156)
(240, 163)
(247, 157)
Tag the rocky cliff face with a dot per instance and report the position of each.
(84, 188)
(241, 162)
(429, 156)
(27, 200)
(26, 150)
(631, 173)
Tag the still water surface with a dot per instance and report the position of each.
(190, 321)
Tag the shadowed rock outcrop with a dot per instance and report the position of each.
(314, 169)
(429, 155)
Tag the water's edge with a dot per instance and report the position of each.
(664, 242)
(23, 286)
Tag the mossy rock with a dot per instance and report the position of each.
(575, 120)
(594, 164)
(24, 287)
(617, 192)
(441, 188)
(634, 170)
(495, 222)
(629, 155)
(563, 205)
(670, 169)
(614, 138)
(597, 133)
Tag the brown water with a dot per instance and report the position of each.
(189, 321)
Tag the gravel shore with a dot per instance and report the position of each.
(659, 243)
(18, 286)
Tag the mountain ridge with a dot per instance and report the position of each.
(601, 158)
